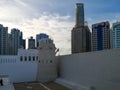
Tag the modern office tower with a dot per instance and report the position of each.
(16, 34)
(101, 36)
(79, 15)
(3, 40)
(39, 37)
(31, 43)
(79, 35)
(116, 35)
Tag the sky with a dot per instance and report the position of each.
(55, 17)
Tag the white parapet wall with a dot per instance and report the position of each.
(98, 70)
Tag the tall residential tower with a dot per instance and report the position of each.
(3, 40)
(17, 41)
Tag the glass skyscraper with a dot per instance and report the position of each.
(116, 35)
(100, 36)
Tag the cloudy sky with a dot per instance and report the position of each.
(55, 17)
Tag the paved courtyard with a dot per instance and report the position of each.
(39, 86)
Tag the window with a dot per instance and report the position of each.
(36, 57)
(29, 58)
(25, 58)
(21, 58)
(33, 58)
(50, 61)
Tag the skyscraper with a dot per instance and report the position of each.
(10, 44)
(39, 37)
(79, 35)
(88, 38)
(79, 15)
(31, 43)
(3, 40)
(101, 36)
(116, 35)
(16, 38)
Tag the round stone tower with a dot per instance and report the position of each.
(47, 70)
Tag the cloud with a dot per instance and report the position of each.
(54, 17)
(18, 14)
(58, 27)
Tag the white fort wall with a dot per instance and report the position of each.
(91, 71)
(20, 70)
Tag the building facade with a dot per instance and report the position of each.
(22, 41)
(47, 67)
(9, 44)
(31, 64)
(39, 37)
(79, 15)
(31, 43)
(80, 41)
(16, 40)
(3, 40)
(88, 38)
(116, 35)
(101, 36)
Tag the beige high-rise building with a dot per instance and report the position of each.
(80, 36)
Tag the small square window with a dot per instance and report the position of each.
(50, 61)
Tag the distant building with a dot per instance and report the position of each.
(17, 41)
(10, 44)
(24, 44)
(88, 38)
(80, 36)
(111, 39)
(3, 40)
(39, 37)
(31, 43)
(79, 15)
(22, 41)
(116, 35)
(101, 36)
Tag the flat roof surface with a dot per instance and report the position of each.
(39, 86)
(7, 87)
